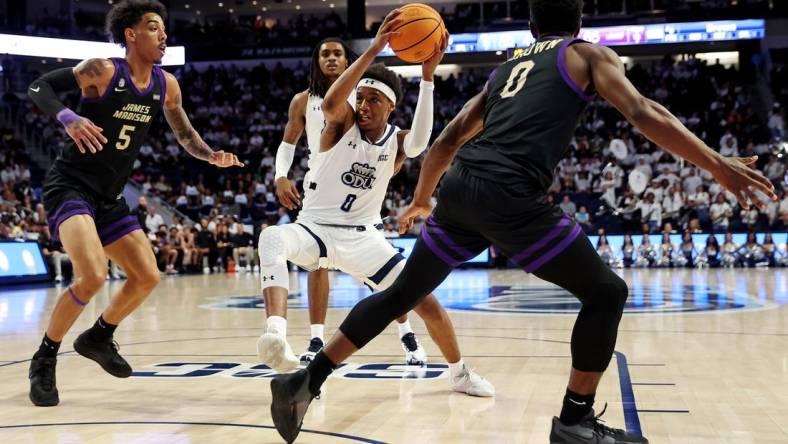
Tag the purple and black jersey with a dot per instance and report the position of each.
(125, 114)
(533, 108)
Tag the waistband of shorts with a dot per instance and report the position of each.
(352, 227)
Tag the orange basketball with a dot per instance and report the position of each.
(421, 29)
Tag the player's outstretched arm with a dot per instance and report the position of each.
(664, 129)
(286, 191)
(337, 111)
(416, 140)
(187, 136)
(93, 77)
(465, 125)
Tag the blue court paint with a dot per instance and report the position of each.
(213, 424)
(631, 418)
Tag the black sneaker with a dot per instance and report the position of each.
(43, 387)
(590, 430)
(315, 345)
(104, 353)
(290, 399)
(414, 353)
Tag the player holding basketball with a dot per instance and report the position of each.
(338, 226)
(508, 140)
(82, 190)
(330, 59)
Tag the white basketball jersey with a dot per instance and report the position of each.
(316, 121)
(351, 180)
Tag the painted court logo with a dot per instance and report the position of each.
(361, 176)
(261, 371)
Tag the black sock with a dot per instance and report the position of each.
(576, 406)
(47, 349)
(319, 369)
(101, 330)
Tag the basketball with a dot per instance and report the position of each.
(421, 29)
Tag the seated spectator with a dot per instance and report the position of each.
(720, 212)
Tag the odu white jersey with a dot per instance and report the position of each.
(316, 121)
(350, 180)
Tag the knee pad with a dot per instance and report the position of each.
(273, 261)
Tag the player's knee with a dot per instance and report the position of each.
(270, 245)
(91, 278)
(608, 294)
(145, 278)
(430, 310)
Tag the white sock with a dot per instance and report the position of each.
(317, 331)
(277, 325)
(404, 328)
(456, 368)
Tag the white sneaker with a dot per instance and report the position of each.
(274, 351)
(58, 279)
(471, 383)
(414, 353)
(248, 268)
(206, 270)
(256, 268)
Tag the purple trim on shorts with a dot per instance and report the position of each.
(492, 75)
(127, 73)
(447, 240)
(69, 203)
(114, 225)
(75, 298)
(66, 116)
(54, 227)
(565, 74)
(533, 266)
(115, 236)
(542, 242)
(110, 87)
(436, 249)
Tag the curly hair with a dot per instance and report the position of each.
(378, 71)
(318, 83)
(556, 16)
(127, 13)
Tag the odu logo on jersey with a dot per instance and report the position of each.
(360, 176)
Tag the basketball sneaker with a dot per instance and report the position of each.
(471, 383)
(315, 345)
(414, 353)
(274, 351)
(590, 430)
(290, 399)
(104, 353)
(43, 387)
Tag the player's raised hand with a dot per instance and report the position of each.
(413, 211)
(428, 66)
(287, 193)
(86, 135)
(738, 177)
(224, 160)
(386, 31)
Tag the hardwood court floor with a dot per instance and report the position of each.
(702, 357)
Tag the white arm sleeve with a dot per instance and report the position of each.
(284, 159)
(418, 138)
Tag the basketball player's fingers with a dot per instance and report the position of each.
(754, 199)
(96, 132)
(79, 145)
(748, 160)
(742, 199)
(761, 181)
(92, 141)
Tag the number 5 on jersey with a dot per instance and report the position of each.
(124, 138)
(517, 79)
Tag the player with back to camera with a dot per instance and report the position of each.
(83, 198)
(330, 58)
(507, 141)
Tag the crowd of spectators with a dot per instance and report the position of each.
(245, 111)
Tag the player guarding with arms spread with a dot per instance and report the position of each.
(330, 59)
(82, 191)
(507, 141)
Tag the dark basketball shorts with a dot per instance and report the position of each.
(474, 213)
(64, 199)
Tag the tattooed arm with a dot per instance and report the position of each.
(187, 136)
(93, 77)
